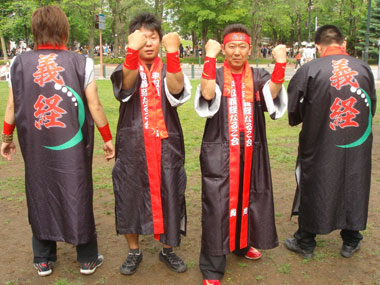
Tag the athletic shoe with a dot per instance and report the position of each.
(253, 254)
(88, 268)
(292, 244)
(172, 261)
(211, 282)
(43, 268)
(348, 251)
(131, 263)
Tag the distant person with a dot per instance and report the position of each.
(308, 53)
(334, 98)
(264, 52)
(298, 60)
(4, 72)
(181, 51)
(53, 101)
(149, 176)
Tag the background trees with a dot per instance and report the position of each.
(276, 21)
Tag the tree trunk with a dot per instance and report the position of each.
(91, 41)
(161, 9)
(156, 6)
(255, 38)
(204, 40)
(3, 48)
(122, 38)
(298, 22)
(193, 38)
(116, 24)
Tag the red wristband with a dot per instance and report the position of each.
(131, 59)
(209, 68)
(278, 74)
(8, 129)
(105, 132)
(172, 62)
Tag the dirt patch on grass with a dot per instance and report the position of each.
(278, 266)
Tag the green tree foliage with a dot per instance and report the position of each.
(206, 19)
(374, 32)
(276, 21)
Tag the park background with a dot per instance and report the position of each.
(290, 22)
(277, 266)
(271, 22)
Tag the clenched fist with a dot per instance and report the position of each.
(136, 40)
(212, 48)
(171, 42)
(279, 53)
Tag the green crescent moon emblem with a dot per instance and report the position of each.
(368, 131)
(79, 136)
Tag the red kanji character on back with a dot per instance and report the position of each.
(48, 70)
(343, 74)
(343, 113)
(48, 113)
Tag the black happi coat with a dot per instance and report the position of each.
(214, 160)
(133, 207)
(58, 182)
(333, 181)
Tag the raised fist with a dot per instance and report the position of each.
(136, 40)
(279, 53)
(171, 42)
(212, 48)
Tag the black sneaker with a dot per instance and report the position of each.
(292, 244)
(348, 251)
(131, 263)
(43, 268)
(173, 261)
(88, 268)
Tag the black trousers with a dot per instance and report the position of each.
(307, 241)
(213, 267)
(298, 63)
(46, 250)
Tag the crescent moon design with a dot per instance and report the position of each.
(368, 131)
(78, 136)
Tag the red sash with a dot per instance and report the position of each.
(154, 131)
(229, 91)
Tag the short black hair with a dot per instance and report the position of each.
(235, 28)
(146, 20)
(327, 35)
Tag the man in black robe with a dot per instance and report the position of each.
(53, 100)
(334, 98)
(237, 196)
(149, 176)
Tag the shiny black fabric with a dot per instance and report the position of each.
(214, 159)
(133, 209)
(334, 182)
(58, 182)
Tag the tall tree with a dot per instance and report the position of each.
(208, 18)
(374, 31)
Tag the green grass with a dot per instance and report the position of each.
(284, 269)
(188, 60)
(282, 142)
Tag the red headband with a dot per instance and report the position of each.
(236, 37)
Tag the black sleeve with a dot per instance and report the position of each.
(260, 78)
(296, 96)
(372, 95)
(117, 83)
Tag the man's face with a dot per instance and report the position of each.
(236, 53)
(150, 51)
